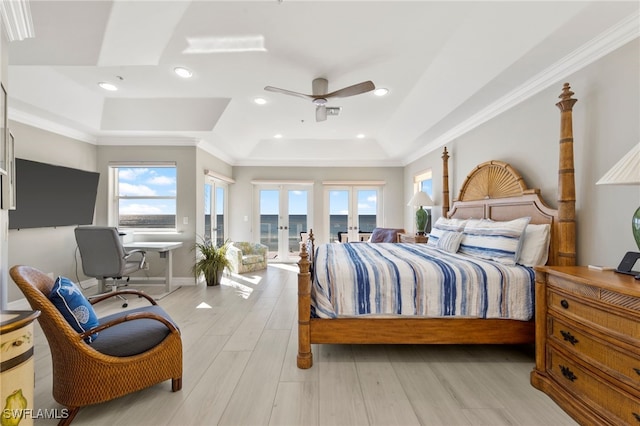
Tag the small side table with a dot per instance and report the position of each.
(412, 238)
(17, 363)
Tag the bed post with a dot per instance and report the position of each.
(305, 357)
(445, 182)
(566, 182)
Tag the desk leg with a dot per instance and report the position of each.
(168, 269)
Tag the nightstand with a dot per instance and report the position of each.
(588, 343)
(412, 238)
(17, 365)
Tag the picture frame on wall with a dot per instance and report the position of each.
(11, 171)
(3, 131)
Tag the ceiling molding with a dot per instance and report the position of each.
(50, 126)
(607, 42)
(17, 20)
(146, 141)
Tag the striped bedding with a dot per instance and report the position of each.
(389, 279)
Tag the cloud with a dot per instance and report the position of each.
(131, 174)
(161, 180)
(135, 190)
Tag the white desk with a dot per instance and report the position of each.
(165, 249)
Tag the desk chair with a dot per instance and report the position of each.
(104, 257)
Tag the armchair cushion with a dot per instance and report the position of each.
(247, 257)
(132, 337)
(74, 306)
(385, 235)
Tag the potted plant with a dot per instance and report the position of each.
(211, 261)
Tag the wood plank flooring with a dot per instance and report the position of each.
(240, 346)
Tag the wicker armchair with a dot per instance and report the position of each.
(82, 375)
(247, 257)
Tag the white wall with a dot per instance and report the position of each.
(605, 126)
(48, 249)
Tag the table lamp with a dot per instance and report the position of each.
(419, 200)
(627, 172)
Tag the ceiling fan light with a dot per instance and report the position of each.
(381, 91)
(183, 72)
(108, 86)
(260, 101)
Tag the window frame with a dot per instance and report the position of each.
(115, 197)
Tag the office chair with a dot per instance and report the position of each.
(104, 257)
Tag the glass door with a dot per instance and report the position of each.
(214, 201)
(284, 215)
(353, 212)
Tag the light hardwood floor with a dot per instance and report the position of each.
(240, 344)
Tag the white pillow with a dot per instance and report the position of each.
(450, 241)
(443, 226)
(498, 241)
(535, 245)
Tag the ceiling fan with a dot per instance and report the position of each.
(320, 97)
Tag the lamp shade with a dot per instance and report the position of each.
(420, 199)
(624, 172)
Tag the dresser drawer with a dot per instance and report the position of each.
(623, 366)
(626, 327)
(614, 404)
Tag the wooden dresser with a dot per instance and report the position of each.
(588, 343)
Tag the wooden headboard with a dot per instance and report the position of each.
(495, 190)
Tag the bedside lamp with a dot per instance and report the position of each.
(626, 172)
(419, 200)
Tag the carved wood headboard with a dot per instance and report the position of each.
(495, 190)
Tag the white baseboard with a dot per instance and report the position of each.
(22, 304)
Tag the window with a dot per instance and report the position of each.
(214, 201)
(144, 196)
(424, 182)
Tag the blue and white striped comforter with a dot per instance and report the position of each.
(389, 279)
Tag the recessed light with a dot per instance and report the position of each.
(183, 72)
(278, 136)
(360, 136)
(107, 86)
(381, 91)
(260, 101)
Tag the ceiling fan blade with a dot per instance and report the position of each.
(287, 92)
(321, 113)
(356, 89)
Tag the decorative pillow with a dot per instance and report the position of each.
(74, 307)
(498, 241)
(450, 241)
(442, 226)
(535, 245)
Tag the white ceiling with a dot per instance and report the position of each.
(449, 66)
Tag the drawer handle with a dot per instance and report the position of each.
(568, 337)
(564, 303)
(637, 416)
(637, 370)
(567, 373)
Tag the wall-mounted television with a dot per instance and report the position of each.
(49, 196)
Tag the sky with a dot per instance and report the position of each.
(145, 182)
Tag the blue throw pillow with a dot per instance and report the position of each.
(74, 307)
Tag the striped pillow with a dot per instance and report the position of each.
(450, 241)
(443, 226)
(498, 241)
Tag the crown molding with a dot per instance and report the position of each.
(607, 42)
(16, 19)
(50, 126)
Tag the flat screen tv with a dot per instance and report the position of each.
(49, 196)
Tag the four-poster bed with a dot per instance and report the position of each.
(493, 190)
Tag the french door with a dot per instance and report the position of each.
(283, 214)
(351, 211)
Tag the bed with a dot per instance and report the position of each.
(492, 190)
